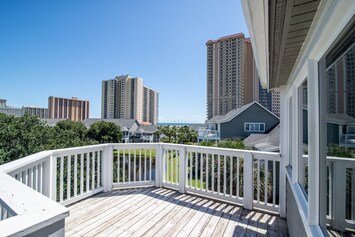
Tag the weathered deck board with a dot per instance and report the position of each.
(164, 212)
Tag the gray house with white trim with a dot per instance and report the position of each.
(239, 123)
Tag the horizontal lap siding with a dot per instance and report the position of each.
(235, 127)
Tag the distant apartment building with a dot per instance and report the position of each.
(32, 110)
(2, 103)
(109, 100)
(64, 108)
(150, 105)
(9, 110)
(125, 97)
(35, 111)
(232, 77)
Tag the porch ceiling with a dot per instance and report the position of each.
(289, 23)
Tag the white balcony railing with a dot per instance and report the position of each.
(208, 134)
(248, 178)
(340, 191)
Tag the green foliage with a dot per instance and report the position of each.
(26, 135)
(336, 150)
(229, 143)
(174, 134)
(68, 133)
(234, 144)
(105, 132)
(21, 136)
(207, 143)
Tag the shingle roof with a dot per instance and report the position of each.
(234, 113)
(128, 123)
(52, 122)
(148, 128)
(340, 119)
(264, 142)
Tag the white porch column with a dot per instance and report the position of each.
(159, 173)
(53, 178)
(248, 181)
(183, 171)
(316, 141)
(283, 149)
(108, 168)
(295, 134)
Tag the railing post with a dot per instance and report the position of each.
(53, 178)
(159, 166)
(339, 186)
(45, 178)
(182, 170)
(108, 168)
(248, 181)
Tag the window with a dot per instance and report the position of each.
(254, 127)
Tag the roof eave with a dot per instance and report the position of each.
(256, 17)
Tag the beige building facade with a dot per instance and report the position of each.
(124, 97)
(65, 108)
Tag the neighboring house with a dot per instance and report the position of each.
(132, 130)
(197, 126)
(341, 129)
(145, 133)
(128, 126)
(239, 123)
(264, 142)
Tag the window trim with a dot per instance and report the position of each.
(247, 124)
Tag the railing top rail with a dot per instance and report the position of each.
(19, 163)
(33, 210)
(134, 145)
(216, 149)
(75, 149)
(335, 158)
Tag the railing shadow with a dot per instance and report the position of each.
(255, 223)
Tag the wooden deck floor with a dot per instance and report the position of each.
(163, 212)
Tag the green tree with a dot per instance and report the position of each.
(105, 132)
(68, 133)
(22, 136)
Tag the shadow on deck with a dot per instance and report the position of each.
(164, 212)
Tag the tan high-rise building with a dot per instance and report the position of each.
(226, 72)
(64, 108)
(123, 97)
(232, 76)
(150, 105)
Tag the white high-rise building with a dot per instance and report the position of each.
(123, 97)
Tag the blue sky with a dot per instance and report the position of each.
(66, 48)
